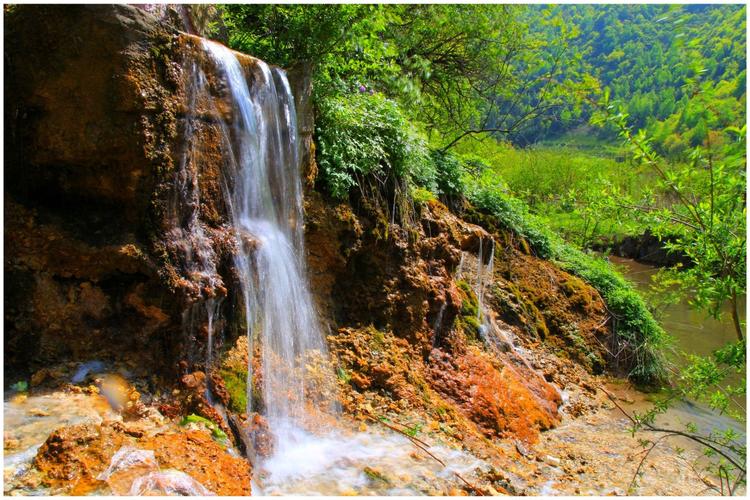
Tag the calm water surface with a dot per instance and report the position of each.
(693, 331)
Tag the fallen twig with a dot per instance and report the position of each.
(423, 446)
(633, 481)
(416, 442)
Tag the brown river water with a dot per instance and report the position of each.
(693, 332)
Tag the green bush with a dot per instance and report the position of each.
(449, 172)
(421, 195)
(512, 215)
(364, 141)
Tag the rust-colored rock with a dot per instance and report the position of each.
(194, 399)
(73, 457)
(504, 399)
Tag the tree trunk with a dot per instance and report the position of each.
(736, 317)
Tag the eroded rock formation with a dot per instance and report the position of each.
(117, 235)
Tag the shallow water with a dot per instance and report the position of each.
(373, 462)
(694, 332)
(29, 420)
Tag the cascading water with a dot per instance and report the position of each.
(263, 189)
(287, 354)
(491, 334)
(484, 273)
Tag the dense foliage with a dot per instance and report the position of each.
(680, 70)
(456, 70)
(701, 206)
(365, 141)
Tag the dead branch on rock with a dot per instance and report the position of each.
(423, 446)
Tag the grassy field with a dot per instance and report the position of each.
(562, 181)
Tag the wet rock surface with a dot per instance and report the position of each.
(115, 222)
(44, 455)
(73, 458)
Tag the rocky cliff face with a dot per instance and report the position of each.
(104, 200)
(89, 122)
(111, 218)
(403, 312)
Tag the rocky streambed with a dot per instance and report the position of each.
(75, 439)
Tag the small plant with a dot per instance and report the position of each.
(413, 430)
(216, 431)
(343, 375)
(421, 195)
(20, 386)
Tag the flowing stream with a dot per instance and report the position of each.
(694, 333)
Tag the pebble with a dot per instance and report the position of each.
(11, 443)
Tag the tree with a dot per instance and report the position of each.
(701, 206)
(459, 70)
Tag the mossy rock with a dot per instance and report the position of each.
(236, 383)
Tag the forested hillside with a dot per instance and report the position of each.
(679, 70)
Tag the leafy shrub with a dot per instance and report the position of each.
(449, 172)
(421, 195)
(512, 215)
(365, 141)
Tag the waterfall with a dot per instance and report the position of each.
(491, 334)
(189, 233)
(484, 274)
(252, 107)
(264, 194)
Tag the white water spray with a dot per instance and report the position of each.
(264, 192)
(484, 275)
